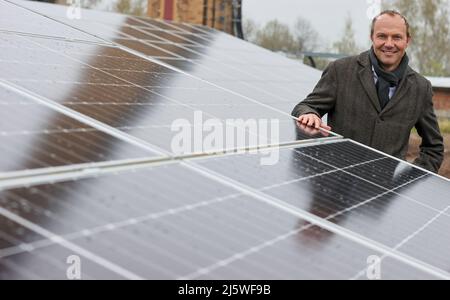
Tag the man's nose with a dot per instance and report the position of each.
(389, 43)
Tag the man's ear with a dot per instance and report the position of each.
(408, 40)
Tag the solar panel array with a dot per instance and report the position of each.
(88, 169)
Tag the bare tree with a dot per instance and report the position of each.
(90, 3)
(276, 36)
(347, 44)
(130, 7)
(306, 37)
(250, 30)
(430, 30)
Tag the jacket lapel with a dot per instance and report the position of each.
(366, 78)
(402, 89)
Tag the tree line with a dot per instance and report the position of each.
(430, 29)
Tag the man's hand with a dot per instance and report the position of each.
(311, 124)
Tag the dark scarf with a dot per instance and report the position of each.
(387, 79)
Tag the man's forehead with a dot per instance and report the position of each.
(388, 22)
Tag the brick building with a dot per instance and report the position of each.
(224, 15)
(441, 90)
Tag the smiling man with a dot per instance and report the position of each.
(375, 98)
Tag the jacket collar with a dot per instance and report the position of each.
(364, 61)
(365, 75)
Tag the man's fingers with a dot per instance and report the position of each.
(301, 119)
(326, 127)
(317, 123)
(312, 120)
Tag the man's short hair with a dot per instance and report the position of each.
(392, 13)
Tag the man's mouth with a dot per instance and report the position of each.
(389, 52)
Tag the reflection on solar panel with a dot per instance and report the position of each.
(89, 170)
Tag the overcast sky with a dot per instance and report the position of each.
(326, 16)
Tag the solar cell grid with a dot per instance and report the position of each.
(47, 138)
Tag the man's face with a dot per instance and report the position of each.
(390, 40)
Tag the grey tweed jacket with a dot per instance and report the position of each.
(348, 94)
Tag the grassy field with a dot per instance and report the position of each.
(444, 124)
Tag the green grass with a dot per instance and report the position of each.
(444, 124)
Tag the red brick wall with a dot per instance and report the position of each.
(441, 99)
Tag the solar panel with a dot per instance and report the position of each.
(124, 91)
(47, 138)
(12, 20)
(166, 236)
(220, 64)
(91, 104)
